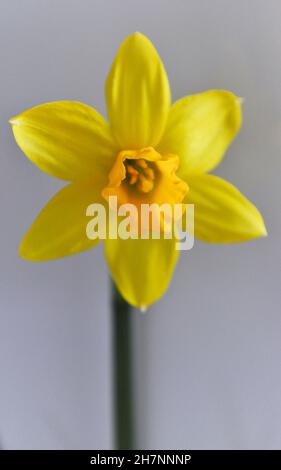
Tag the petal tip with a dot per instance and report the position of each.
(23, 253)
(138, 38)
(261, 231)
(138, 35)
(264, 232)
(261, 228)
(143, 308)
(25, 250)
(13, 121)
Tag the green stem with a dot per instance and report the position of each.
(123, 372)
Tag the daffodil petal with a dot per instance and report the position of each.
(138, 94)
(200, 128)
(141, 269)
(221, 213)
(60, 228)
(66, 139)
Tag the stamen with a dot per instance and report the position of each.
(145, 185)
(142, 163)
(133, 178)
(149, 173)
(140, 173)
(132, 170)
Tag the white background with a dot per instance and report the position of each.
(208, 355)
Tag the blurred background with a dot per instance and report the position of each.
(208, 355)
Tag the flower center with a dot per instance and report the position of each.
(145, 176)
(141, 174)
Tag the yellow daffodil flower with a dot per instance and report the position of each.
(149, 151)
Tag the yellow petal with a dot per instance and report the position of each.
(66, 139)
(141, 269)
(221, 213)
(200, 128)
(138, 94)
(60, 229)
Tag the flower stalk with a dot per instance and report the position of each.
(123, 393)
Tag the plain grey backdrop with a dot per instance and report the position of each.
(208, 355)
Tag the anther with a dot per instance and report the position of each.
(142, 163)
(139, 173)
(131, 170)
(149, 173)
(133, 178)
(145, 185)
